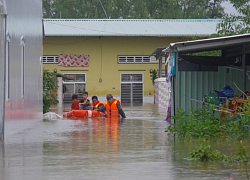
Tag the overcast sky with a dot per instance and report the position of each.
(229, 8)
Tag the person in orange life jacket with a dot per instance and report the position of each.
(75, 102)
(84, 103)
(113, 107)
(97, 105)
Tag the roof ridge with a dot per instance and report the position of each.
(142, 20)
(130, 27)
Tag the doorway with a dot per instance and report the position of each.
(131, 89)
(75, 86)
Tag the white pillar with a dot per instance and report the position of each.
(59, 91)
(162, 92)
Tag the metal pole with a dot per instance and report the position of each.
(245, 71)
(160, 67)
(59, 92)
(131, 91)
(176, 82)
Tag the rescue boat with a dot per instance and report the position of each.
(83, 113)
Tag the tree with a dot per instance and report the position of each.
(202, 8)
(132, 9)
(233, 24)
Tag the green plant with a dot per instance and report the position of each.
(241, 155)
(153, 76)
(198, 123)
(203, 123)
(49, 84)
(205, 153)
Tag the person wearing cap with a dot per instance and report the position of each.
(97, 105)
(113, 107)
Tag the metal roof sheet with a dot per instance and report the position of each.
(210, 44)
(130, 27)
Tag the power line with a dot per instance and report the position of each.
(103, 9)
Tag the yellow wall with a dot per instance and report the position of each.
(103, 61)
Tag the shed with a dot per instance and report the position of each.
(197, 75)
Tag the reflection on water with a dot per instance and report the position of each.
(97, 148)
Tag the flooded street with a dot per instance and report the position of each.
(134, 148)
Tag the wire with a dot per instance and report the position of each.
(103, 9)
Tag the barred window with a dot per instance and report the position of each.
(139, 59)
(133, 59)
(50, 59)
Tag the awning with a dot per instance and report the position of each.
(64, 77)
(158, 52)
(221, 43)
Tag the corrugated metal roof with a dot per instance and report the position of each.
(130, 27)
(210, 44)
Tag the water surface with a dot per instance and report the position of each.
(134, 148)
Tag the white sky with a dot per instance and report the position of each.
(229, 8)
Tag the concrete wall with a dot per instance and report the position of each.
(103, 61)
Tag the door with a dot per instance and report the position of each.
(131, 89)
(75, 86)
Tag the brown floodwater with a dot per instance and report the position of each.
(136, 148)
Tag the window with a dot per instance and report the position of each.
(133, 59)
(50, 59)
(139, 59)
(22, 43)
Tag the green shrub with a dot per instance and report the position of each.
(204, 152)
(49, 84)
(202, 123)
(195, 123)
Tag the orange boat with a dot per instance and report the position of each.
(83, 113)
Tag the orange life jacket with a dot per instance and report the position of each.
(112, 110)
(97, 105)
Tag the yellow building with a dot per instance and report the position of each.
(117, 51)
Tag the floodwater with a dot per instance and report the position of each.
(136, 148)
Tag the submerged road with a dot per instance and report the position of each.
(136, 148)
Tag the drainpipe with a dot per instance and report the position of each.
(175, 85)
(3, 16)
